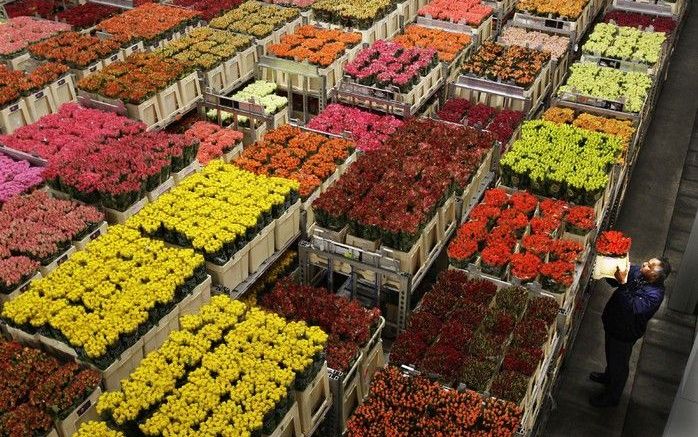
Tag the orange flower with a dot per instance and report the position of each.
(448, 44)
(312, 44)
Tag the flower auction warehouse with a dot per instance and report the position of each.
(361, 218)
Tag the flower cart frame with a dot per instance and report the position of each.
(575, 29)
(502, 9)
(392, 101)
(503, 95)
(480, 34)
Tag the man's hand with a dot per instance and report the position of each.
(621, 275)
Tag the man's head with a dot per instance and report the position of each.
(655, 270)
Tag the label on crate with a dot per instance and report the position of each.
(39, 95)
(62, 259)
(14, 108)
(114, 58)
(97, 232)
(92, 69)
(607, 62)
(25, 287)
(61, 82)
(84, 407)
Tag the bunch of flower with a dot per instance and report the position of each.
(556, 45)
(557, 275)
(548, 156)
(36, 388)
(402, 405)
(236, 365)
(447, 44)
(17, 177)
(217, 211)
(625, 43)
(77, 50)
(429, 157)
(136, 79)
(580, 220)
(86, 15)
(510, 386)
(255, 18)
(214, 141)
(347, 322)
(15, 84)
(613, 243)
(149, 22)
(352, 14)
(205, 48)
(565, 9)
(368, 130)
(102, 311)
(544, 308)
(388, 64)
(595, 123)
(514, 64)
(629, 87)
(641, 21)
(31, 8)
(260, 93)
(281, 269)
(471, 12)
(303, 4)
(17, 33)
(546, 225)
(208, 9)
(303, 156)
(566, 250)
(454, 110)
(91, 428)
(315, 45)
(502, 123)
(41, 227)
(15, 270)
(524, 266)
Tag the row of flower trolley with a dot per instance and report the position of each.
(235, 218)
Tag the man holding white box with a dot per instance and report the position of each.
(639, 294)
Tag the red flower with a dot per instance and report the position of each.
(613, 243)
(485, 213)
(542, 307)
(474, 230)
(496, 255)
(524, 266)
(544, 225)
(462, 249)
(522, 360)
(524, 202)
(554, 208)
(538, 244)
(502, 235)
(566, 250)
(559, 271)
(513, 219)
(496, 197)
(582, 217)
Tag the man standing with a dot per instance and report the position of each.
(639, 294)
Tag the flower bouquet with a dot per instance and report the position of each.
(407, 405)
(41, 228)
(510, 386)
(434, 159)
(641, 21)
(260, 355)
(92, 428)
(214, 141)
(38, 389)
(301, 4)
(135, 80)
(626, 89)
(261, 93)
(612, 248)
(86, 15)
(218, 191)
(76, 50)
(205, 48)
(494, 259)
(566, 250)
(580, 220)
(514, 64)
(209, 9)
(388, 64)
(503, 122)
(546, 159)
(471, 12)
(447, 44)
(554, 208)
(556, 45)
(17, 177)
(315, 45)
(370, 131)
(31, 8)
(564, 9)
(557, 276)
(18, 33)
(352, 14)
(255, 18)
(17, 84)
(303, 156)
(542, 307)
(150, 23)
(15, 271)
(625, 44)
(525, 266)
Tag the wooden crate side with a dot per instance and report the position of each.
(314, 401)
(234, 271)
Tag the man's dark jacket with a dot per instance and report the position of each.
(632, 305)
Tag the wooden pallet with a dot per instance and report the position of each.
(314, 401)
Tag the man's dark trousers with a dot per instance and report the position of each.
(617, 366)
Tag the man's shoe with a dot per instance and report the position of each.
(599, 378)
(602, 401)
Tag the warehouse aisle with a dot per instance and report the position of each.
(654, 213)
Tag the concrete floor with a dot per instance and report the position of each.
(657, 213)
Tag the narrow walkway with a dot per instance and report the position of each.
(654, 214)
